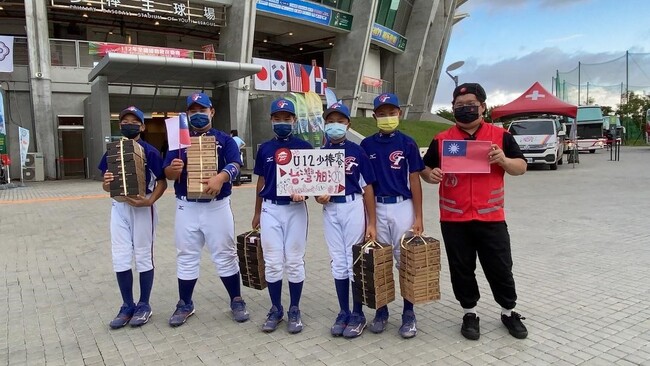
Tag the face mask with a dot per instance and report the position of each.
(282, 129)
(199, 120)
(130, 131)
(466, 114)
(335, 130)
(388, 124)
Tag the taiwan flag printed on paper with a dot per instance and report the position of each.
(465, 156)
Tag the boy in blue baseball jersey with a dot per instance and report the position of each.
(133, 226)
(396, 160)
(347, 220)
(206, 222)
(282, 220)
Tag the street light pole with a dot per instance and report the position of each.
(453, 67)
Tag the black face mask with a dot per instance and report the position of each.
(130, 131)
(466, 114)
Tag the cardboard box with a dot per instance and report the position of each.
(373, 274)
(251, 260)
(126, 160)
(202, 139)
(201, 165)
(419, 269)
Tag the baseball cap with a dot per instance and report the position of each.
(201, 99)
(283, 105)
(337, 107)
(386, 98)
(134, 111)
(470, 88)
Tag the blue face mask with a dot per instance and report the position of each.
(335, 130)
(199, 120)
(282, 129)
(130, 131)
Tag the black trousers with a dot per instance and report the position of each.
(491, 242)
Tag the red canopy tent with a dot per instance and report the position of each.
(535, 100)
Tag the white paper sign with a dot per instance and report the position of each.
(310, 172)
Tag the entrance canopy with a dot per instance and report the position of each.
(535, 100)
(158, 70)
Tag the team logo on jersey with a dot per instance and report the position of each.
(396, 159)
(283, 156)
(451, 180)
(350, 163)
(384, 97)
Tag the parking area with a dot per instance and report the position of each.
(581, 248)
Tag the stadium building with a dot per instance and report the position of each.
(77, 63)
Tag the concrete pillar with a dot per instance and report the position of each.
(97, 123)
(40, 84)
(349, 55)
(428, 34)
(236, 42)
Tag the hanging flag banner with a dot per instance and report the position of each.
(295, 76)
(465, 156)
(262, 78)
(6, 54)
(23, 137)
(310, 172)
(279, 75)
(320, 80)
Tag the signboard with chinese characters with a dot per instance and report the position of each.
(176, 11)
(310, 172)
(102, 48)
(307, 11)
(383, 37)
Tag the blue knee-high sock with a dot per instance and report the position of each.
(146, 283)
(125, 283)
(232, 285)
(343, 294)
(186, 289)
(295, 291)
(408, 305)
(357, 306)
(275, 293)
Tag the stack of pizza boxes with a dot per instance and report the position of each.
(126, 160)
(251, 260)
(373, 274)
(201, 165)
(419, 269)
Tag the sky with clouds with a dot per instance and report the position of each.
(507, 45)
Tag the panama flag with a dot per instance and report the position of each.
(307, 76)
(465, 156)
(279, 75)
(178, 132)
(262, 78)
(320, 80)
(295, 76)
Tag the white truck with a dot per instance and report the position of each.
(540, 139)
(590, 128)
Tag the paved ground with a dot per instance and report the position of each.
(582, 265)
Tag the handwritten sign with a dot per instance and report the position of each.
(310, 172)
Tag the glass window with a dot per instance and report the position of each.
(387, 12)
(532, 128)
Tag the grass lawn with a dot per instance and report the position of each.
(421, 131)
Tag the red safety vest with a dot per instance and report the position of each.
(466, 197)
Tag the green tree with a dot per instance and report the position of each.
(635, 109)
(607, 110)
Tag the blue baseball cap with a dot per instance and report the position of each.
(337, 107)
(386, 98)
(283, 105)
(134, 111)
(201, 99)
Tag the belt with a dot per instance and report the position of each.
(343, 199)
(184, 198)
(278, 202)
(390, 199)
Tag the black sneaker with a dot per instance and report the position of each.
(516, 328)
(470, 329)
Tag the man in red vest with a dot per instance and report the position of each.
(472, 219)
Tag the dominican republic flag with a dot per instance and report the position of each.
(178, 132)
(295, 76)
(262, 78)
(307, 76)
(320, 80)
(279, 75)
(465, 156)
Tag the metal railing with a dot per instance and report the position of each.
(75, 53)
(376, 86)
